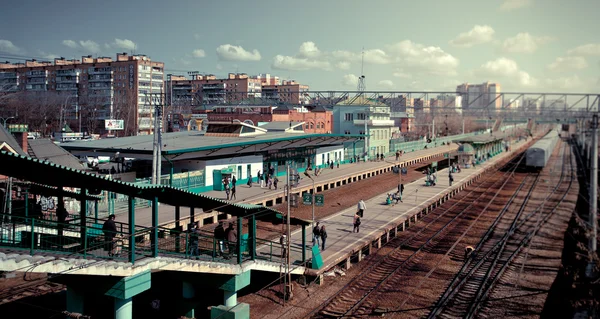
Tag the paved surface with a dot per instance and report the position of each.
(245, 194)
(342, 241)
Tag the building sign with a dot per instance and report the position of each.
(276, 155)
(307, 198)
(114, 125)
(319, 200)
(18, 128)
(131, 76)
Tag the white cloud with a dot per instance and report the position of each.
(308, 50)
(182, 61)
(307, 58)
(228, 52)
(478, 35)
(373, 56)
(198, 53)
(586, 49)
(569, 83)
(90, 46)
(48, 56)
(8, 47)
(402, 74)
(70, 43)
(568, 63)
(350, 80)
(418, 58)
(386, 84)
(281, 62)
(524, 43)
(505, 70)
(343, 65)
(124, 44)
(509, 5)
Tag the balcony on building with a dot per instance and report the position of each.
(68, 72)
(106, 70)
(99, 77)
(66, 86)
(37, 74)
(8, 75)
(216, 86)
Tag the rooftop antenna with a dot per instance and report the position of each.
(361, 78)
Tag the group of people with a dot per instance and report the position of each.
(319, 233)
(230, 191)
(397, 196)
(266, 179)
(226, 238)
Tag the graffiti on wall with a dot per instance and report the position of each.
(46, 203)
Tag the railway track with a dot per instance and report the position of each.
(405, 254)
(469, 288)
(33, 290)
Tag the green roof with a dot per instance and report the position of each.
(50, 174)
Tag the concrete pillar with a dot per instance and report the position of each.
(123, 308)
(348, 263)
(360, 255)
(74, 300)
(230, 307)
(379, 243)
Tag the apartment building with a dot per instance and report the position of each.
(97, 89)
(210, 90)
(480, 96)
(290, 92)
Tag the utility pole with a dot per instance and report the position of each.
(593, 200)
(157, 138)
(287, 281)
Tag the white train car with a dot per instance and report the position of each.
(538, 154)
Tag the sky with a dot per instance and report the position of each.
(525, 45)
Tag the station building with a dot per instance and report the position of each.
(197, 161)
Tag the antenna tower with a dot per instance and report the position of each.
(361, 78)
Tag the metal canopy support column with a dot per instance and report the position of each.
(192, 218)
(154, 235)
(252, 235)
(240, 220)
(82, 217)
(304, 243)
(96, 211)
(177, 227)
(131, 234)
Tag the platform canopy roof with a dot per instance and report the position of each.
(481, 138)
(194, 144)
(54, 175)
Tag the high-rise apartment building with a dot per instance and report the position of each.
(209, 90)
(288, 91)
(201, 90)
(95, 89)
(480, 96)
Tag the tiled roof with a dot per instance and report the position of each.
(45, 149)
(9, 139)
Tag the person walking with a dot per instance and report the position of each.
(220, 237)
(233, 192)
(450, 179)
(316, 235)
(226, 187)
(275, 181)
(110, 231)
(249, 181)
(323, 234)
(233, 181)
(356, 223)
(194, 247)
(361, 208)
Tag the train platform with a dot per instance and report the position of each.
(381, 222)
(328, 179)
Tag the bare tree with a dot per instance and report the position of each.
(38, 109)
(125, 108)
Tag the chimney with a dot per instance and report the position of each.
(21, 138)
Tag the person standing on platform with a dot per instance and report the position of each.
(233, 192)
(110, 231)
(231, 235)
(283, 243)
(401, 189)
(356, 223)
(275, 181)
(233, 181)
(323, 234)
(249, 181)
(450, 179)
(260, 179)
(220, 237)
(361, 208)
(316, 235)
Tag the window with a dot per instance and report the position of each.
(360, 116)
(349, 116)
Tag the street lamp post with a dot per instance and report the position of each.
(5, 119)
(312, 197)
